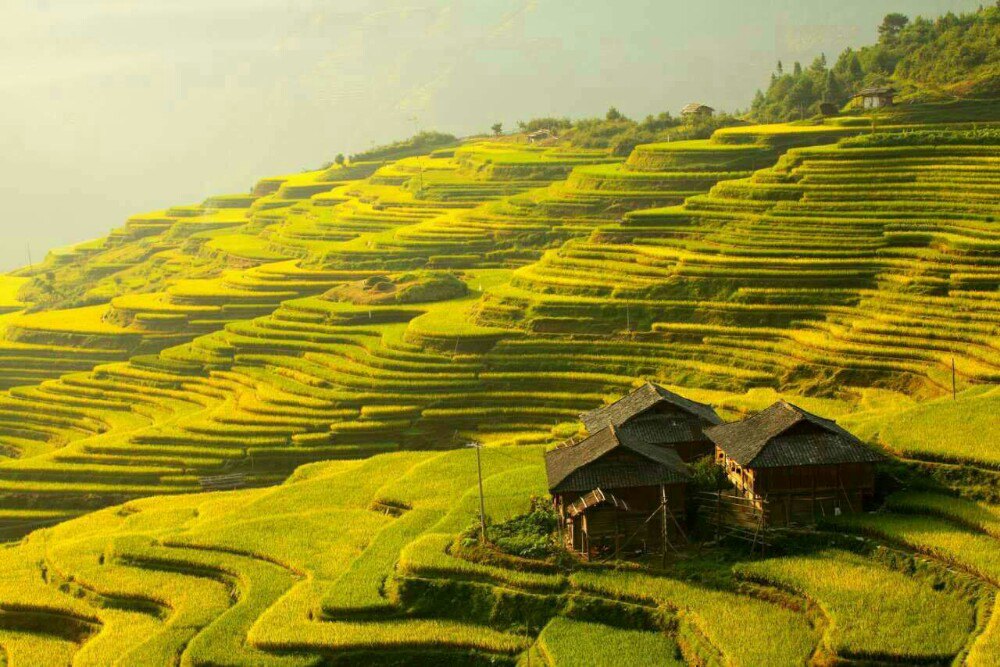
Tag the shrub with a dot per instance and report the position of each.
(527, 535)
(707, 476)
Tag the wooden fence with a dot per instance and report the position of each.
(735, 516)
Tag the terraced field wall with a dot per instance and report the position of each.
(378, 316)
(813, 258)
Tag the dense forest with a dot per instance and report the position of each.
(950, 56)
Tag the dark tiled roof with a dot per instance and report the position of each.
(618, 476)
(695, 106)
(579, 468)
(767, 440)
(875, 90)
(640, 400)
(812, 448)
(663, 430)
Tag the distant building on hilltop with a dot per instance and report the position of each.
(697, 109)
(875, 97)
(657, 416)
(795, 465)
(541, 135)
(606, 489)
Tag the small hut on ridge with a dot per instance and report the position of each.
(875, 97)
(697, 109)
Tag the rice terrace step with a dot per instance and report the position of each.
(713, 388)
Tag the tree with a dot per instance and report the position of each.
(801, 96)
(832, 90)
(660, 121)
(545, 123)
(759, 106)
(613, 114)
(854, 68)
(340, 159)
(892, 25)
(955, 54)
(497, 129)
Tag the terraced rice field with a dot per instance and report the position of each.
(813, 267)
(204, 579)
(255, 334)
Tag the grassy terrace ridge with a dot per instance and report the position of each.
(10, 286)
(378, 315)
(198, 576)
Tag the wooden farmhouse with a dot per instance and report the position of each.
(697, 109)
(655, 416)
(875, 97)
(607, 487)
(797, 466)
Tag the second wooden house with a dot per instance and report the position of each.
(797, 466)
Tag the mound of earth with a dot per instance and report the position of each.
(419, 287)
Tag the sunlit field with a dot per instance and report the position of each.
(236, 431)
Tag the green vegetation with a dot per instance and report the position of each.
(950, 56)
(335, 337)
(418, 144)
(743, 629)
(564, 641)
(528, 535)
(10, 288)
(621, 134)
(406, 288)
(947, 430)
(373, 568)
(872, 613)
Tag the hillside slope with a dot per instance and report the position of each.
(864, 263)
(492, 291)
(316, 570)
(946, 58)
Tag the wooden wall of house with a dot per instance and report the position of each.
(603, 527)
(805, 479)
(798, 479)
(804, 494)
(806, 508)
(692, 451)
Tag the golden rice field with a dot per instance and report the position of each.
(335, 337)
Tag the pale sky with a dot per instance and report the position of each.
(114, 107)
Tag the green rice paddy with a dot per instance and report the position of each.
(847, 274)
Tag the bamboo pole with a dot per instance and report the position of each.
(954, 389)
(663, 522)
(482, 503)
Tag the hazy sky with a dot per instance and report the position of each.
(113, 107)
